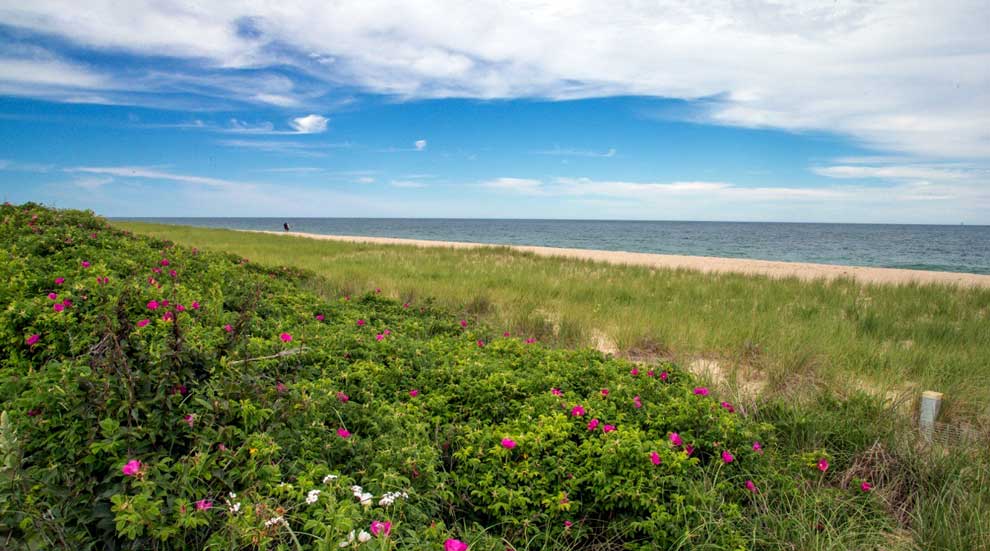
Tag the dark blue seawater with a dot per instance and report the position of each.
(945, 248)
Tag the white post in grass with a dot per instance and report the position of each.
(930, 403)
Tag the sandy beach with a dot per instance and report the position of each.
(771, 268)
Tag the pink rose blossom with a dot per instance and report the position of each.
(634, 372)
(675, 439)
(463, 323)
(180, 308)
(143, 322)
(131, 468)
(637, 403)
(59, 280)
(568, 524)
(866, 486)
(655, 458)
(688, 450)
(85, 264)
(701, 391)
(195, 305)
(342, 397)
(751, 486)
(152, 305)
(379, 337)
(58, 307)
(556, 392)
(167, 316)
(414, 393)
(343, 433)
(165, 303)
(531, 340)
(508, 443)
(757, 447)
(608, 428)
(577, 411)
(727, 457)
(649, 373)
(203, 505)
(228, 328)
(604, 392)
(320, 317)
(405, 305)
(68, 303)
(285, 337)
(156, 270)
(360, 323)
(189, 419)
(454, 545)
(481, 343)
(593, 424)
(280, 387)
(381, 528)
(52, 296)
(728, 407)
(664, 375)
(173, 273)
(164, 262)
(31, 340)
(506, 334)
(823, 464)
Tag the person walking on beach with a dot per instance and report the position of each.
(285, 225)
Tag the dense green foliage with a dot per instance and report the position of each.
(159, 397)
(841, 333)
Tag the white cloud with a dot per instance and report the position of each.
(577, 152)
(366, 180)
(519, 185)
(895, 172)
(310, 124)
(420, 145)
(407, 184)
(93, 183)
(151, 173)
(903, 76)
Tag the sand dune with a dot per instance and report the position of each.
(771, 268)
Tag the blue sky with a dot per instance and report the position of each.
(769, 112)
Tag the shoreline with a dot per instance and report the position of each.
(707, 264)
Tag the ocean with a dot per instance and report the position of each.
(919, 247)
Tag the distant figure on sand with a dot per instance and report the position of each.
(285, 225)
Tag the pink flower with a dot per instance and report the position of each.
(285, 337)
(280, 387)
(823, 464)
(342, 397)
(189, 419)
(68, 303)
(463, 323)
(203, 505)
(379, 337)
(378, 290)
(655, 458)
(608, 428)
(131, 468)
(180, 308)
(378, 528)
(165, 303)
(59, 280)
(568, 524)
(167, 316)
(164, 262)
(649, 373)
(637, 403)
(728, 407)
(556, 392)
(506, 334)
(180, 389)
(405, 305)
(751, 487)
(593, 424)
(173, 273)
(52, 296)
(454, 545)
(530, 340)
(156, 270)
(663, 375)
(228, 328)
(481, 343)
(866, 486)
(634, 372)
(360, 323)
(688, 450)
(508, 443)
(320, 317)
(757, 447)
(701, 391)
(152, 305)
(143, 322)
(577, 411)
(727, 457)
(195, 305)
(58, 307)
(343, 433)
(32, 339)
(85, 264)
(675, 439)
(604, 392)
(414, 393)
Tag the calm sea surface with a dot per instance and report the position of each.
(947, 248)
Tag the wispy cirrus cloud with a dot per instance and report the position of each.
(564, 152)
(151, 173)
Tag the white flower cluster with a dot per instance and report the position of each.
(362, 496)
(361, 538)
(312, 496)
(273, 521)
(390, 498)
(328, 478)
(235, 507)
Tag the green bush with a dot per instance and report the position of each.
(186, 400)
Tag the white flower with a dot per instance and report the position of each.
(235, 507)
(232, 495)
(312, 496)
(366, 499)
(328, 478)
(357, 489)
(348, 541)
(364, 536)
(273, 521)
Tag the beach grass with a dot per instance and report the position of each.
(774, 333)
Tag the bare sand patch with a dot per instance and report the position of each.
(770, 268)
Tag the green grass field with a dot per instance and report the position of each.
(886, 339)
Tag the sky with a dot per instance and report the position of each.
(873, 112)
